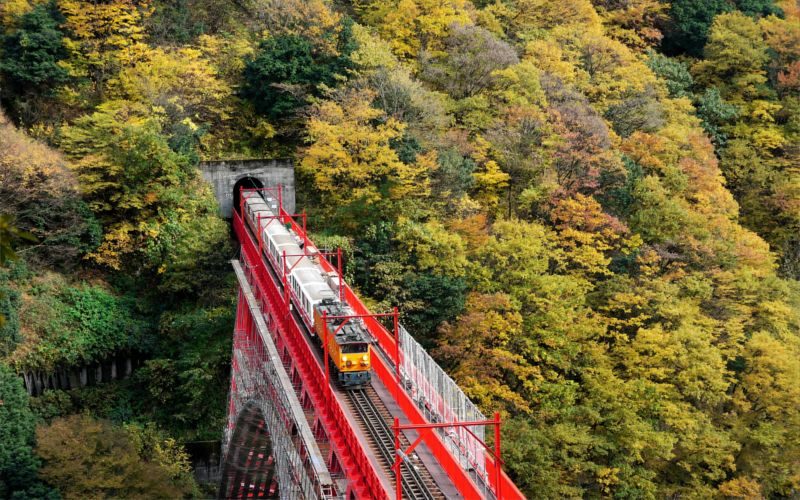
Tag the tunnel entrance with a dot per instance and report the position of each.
(224, 174)
(246, 183)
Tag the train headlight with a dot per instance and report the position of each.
(349, 363)
(364, 358)
(344, 358)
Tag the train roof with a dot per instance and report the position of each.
(275, 228)
(283, 239)
(306, 265)
(306, 275)
(317, 291)
(352, 332)
(255, 201)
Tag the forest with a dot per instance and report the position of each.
(587, 210)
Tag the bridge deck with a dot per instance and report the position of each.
(427, 458)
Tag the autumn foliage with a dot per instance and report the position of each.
(588, 211)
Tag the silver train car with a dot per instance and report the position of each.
(312, 291)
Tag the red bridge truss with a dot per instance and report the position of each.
(292, 433)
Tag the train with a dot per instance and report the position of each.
(313, 291)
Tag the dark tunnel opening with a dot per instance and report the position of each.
(246, 183)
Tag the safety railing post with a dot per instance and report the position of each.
(396, 317)
(339, 270)
(286, 292)
(258, 236)
(305, 233)
(498, 464)
(325, 352)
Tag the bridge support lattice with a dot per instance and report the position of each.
(269, 448)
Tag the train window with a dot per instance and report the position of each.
(353, 348)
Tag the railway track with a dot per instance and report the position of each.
(417, 482)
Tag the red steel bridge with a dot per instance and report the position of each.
(293, 433)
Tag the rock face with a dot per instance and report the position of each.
(226, 176)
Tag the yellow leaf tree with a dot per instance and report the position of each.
(350, 157)
(103, 38)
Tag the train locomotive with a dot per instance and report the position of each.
(313, 292)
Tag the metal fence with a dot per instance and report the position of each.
(441, 400)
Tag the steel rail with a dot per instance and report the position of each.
(412, 483)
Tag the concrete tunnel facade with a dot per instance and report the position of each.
(223, 175)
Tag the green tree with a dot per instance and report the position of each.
(453, 177)
(431, 300)
(32, 52)
(280, 61)
(715, 114)
(288, 68)
(674, 72)
(18, 465)
(758, 8)
(88, 458)
(691, 20)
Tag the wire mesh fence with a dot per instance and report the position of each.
(257, 387)
(441, 400)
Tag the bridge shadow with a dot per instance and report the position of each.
(248, 470)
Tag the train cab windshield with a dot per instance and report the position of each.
(354, 348)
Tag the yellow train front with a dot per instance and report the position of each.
(348, 345)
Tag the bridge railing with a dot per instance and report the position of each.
(440, 398)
